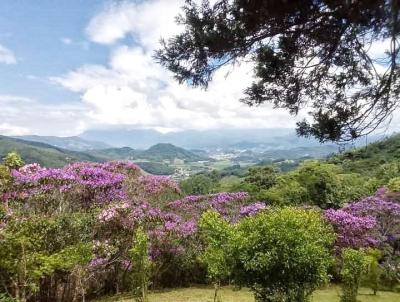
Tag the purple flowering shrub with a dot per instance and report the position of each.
(172, 230)
(252, 209)
(385, 210)
(78, 185)
(352, 231)
(120, 199)
(371, 221)
(227, 204)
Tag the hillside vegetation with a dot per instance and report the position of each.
(41, 153)
(98, 229)
(169, 152)
(374, 160)
(151, 160)
(158, 152)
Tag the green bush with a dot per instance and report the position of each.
(198, 185)
(141, 265)
(34, 248)
(320, 184)
(12, 160)
(354, 264)
(394, 185)
(374, 271)
(281, 254)
(217, 233)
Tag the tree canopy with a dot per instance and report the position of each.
(310, 54)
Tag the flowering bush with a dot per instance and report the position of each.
(117, 199)
(281, 254)
(368, 222)
(252, 209)
(352, 231)
(97, 208)
(87, 183)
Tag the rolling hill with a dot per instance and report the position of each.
(158, 152)
(164, 151)
(151, 160)
(124, 153)
(44, 154)
(366, 160)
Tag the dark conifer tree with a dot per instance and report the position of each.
(308, 53)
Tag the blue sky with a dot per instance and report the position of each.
(71, 65)
(47, 39)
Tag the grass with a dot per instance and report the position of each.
(205, 294)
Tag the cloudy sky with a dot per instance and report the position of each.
(71, 65)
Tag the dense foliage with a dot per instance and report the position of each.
(61, 229)
(89, 229)
(379, 159)
(282, 255)
(354, 265)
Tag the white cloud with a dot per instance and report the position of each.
(134, 90)
(145, 21)
(7, 56)
(8, 129)
(21, 115)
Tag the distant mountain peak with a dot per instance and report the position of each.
(164, 146)
(170, 152)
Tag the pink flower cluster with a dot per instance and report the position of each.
(156, 184)
(95, 263)
(252, 209)
(217, 200)
(352, 231)
(367, 222)
(226, 203)
(89, 182)
(167, 230)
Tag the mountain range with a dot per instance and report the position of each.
(157, 152)
(52, 156)
(74, 143)
(154, 151)
(277, 138)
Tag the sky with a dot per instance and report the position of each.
(71, 65)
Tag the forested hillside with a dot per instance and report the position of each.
(150, 160)
(44, 154)
(371, 159)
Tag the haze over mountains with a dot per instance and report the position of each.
(74, 143)
(226, 139)
(274, 138)
(175, 153)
